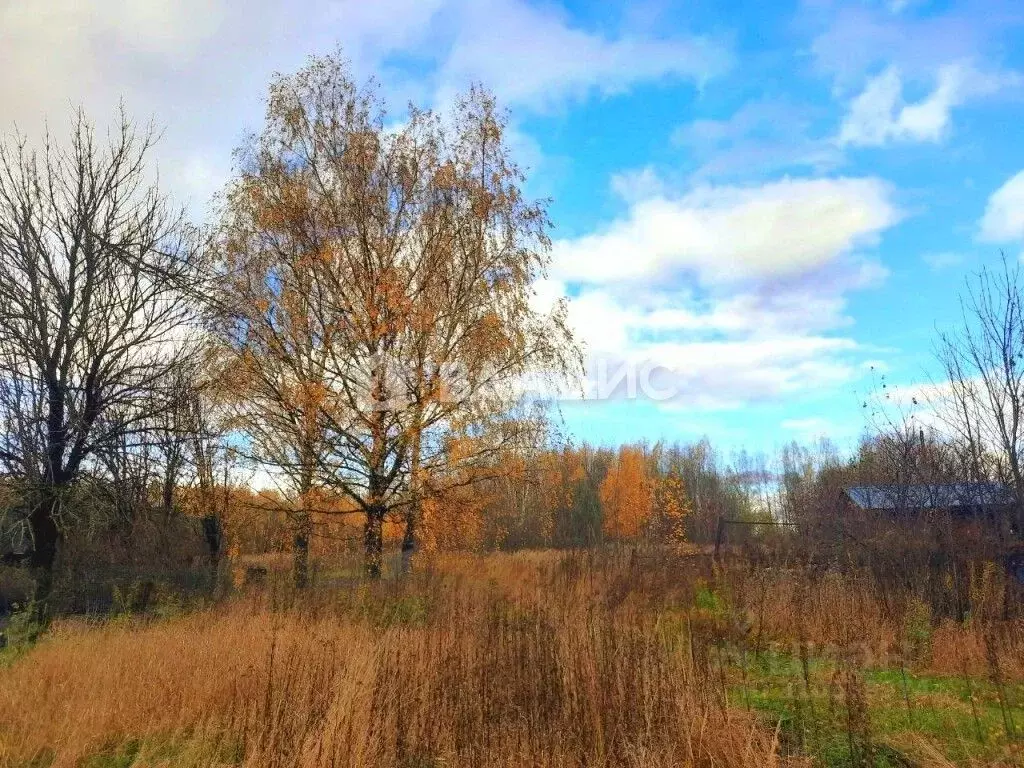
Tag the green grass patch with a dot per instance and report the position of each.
(963, 719)
(180, 751)
(183, 751)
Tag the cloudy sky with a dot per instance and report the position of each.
(760, 204)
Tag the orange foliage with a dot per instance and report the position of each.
(452, 521)
(627, 495)
(560, 473)
(672, 507)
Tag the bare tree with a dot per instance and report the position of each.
(95, 312)
(982, 405)
(170, 437)
(210, 430)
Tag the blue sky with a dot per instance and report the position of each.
(768, 203)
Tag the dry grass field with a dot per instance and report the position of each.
(538, 659)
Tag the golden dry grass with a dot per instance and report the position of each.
(503, 664)
(535, 658)
(831, 612)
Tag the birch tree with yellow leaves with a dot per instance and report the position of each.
(399, 260)
(273, 343)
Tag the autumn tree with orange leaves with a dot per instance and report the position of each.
(627, 495)
(641, 500)
(672, 507)
(273, 334)
(383, 305)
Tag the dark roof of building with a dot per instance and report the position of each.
(933, 496)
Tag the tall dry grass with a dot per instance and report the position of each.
(833, 612)
(541, 659)
(840, 612)
(499, 662)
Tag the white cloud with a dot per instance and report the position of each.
(732, 373)
(709, 374)
(853, 40)
(764, 136)
(164, 27)
(634, 186)
(723, 349)
(725, 295)
(1004, 215)
(530, 55)
(200, 67)
(59, 52)
(727, 234)
(880, 115)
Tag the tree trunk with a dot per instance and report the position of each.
(213, 533)
(45, 541)
(373, 536)
(303, 523)
(373, 541)
(409, 537)
(167, 492)
(300, 552)
(412, 513)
